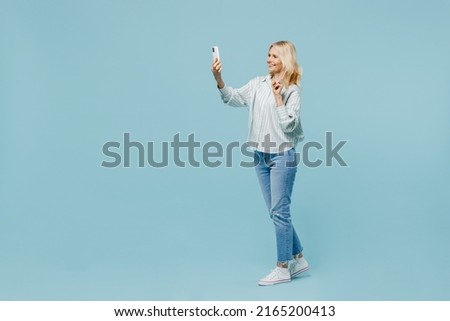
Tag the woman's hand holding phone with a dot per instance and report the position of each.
(216, 68)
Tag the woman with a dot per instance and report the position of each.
(274, 130)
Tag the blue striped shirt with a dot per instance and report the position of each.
(272, 129)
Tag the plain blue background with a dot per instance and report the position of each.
(76, 74)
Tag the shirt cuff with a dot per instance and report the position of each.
(226, 93)
(225, 90)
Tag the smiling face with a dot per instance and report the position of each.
(274, 63)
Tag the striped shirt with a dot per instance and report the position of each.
(272, 129)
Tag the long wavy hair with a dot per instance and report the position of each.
(291, 72)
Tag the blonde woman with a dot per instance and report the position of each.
(273, 102)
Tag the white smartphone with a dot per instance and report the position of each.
(215, 52)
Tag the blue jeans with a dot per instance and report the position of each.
(276, 175)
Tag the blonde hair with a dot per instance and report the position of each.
(292, 72)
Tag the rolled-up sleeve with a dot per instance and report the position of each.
(236, 97)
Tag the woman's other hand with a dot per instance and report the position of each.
(276, 88)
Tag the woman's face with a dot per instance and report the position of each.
(273, 62)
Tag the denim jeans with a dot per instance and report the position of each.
(276, 175)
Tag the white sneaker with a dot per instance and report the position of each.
(297, 266)
(278, 275)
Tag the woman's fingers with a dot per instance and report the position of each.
(217, 66)
(276, 87)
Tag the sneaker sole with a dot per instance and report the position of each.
(300, 272)
(273, 283)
